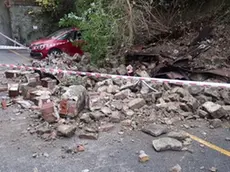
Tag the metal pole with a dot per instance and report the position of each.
(12, 40)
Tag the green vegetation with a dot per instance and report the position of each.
(112, 26)
(98, 27)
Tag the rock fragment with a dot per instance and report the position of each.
(43, 128)
(129, 112)
(126, 123)
(215, 110)
(213, 169)
(180, 135)
(89, 136)
(66, 130)
(202, 113)
(155, 130)
(106, 127)
(85, 117)
(181, 91)
(106, 110)
(176, 168)
(112, 89)
(122, 94)
(211, 92)
(115, 117)
(227, 138)
(96, 115)
(85, 170)
(166, 143)
(24, 104)
(136, 103)
(195, 90)
(143, 157)
(45, 154)
(80, 148)
(215, 123)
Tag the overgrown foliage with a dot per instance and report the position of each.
(53, 10)
(99, 28)
(111, 26)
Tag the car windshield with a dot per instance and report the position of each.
(57, 33)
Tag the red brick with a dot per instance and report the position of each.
(63, 107)
(3, 88)
(47, 111)
(80, 148)
(12, 73)
(38, 100)
(26, 91)
(33, 79)
(68, 108)
(48, 83)
(13, 90)
(4, 104)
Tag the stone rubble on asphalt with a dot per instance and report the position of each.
(94, 105)
(122, 94)
(66, 130)
(215, 123)
(45, 154)
(126, 123)
(166, 143)
(136, 103)
(115, 117)
(85, 170)
(213, 169)
(106, 110)
(176, 168)
(143, 157)
(89, 136)
(106, 127)
(155, 130)
(214, 110)
(180, 135)
(97, 115)
(24, 104)
(85, 117)
(227, 138)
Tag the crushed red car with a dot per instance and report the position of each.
(59, 42)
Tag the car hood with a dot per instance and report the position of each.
(42, 41)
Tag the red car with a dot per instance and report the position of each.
(57, 43)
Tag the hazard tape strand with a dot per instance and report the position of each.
(5, 47)
(102, 75)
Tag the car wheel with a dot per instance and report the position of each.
(55, 52)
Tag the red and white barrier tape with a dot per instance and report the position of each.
(101, 75)
(5, 47)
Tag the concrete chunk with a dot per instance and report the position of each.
(215, 110)
(167, 143)
(136, 103)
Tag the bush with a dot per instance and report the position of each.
(56, 9)
(98, 28)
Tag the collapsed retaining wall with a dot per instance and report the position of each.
(21, 22)
(4, 23)
(26, 26)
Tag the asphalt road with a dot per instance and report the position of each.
(111, 153)
(14, 57)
